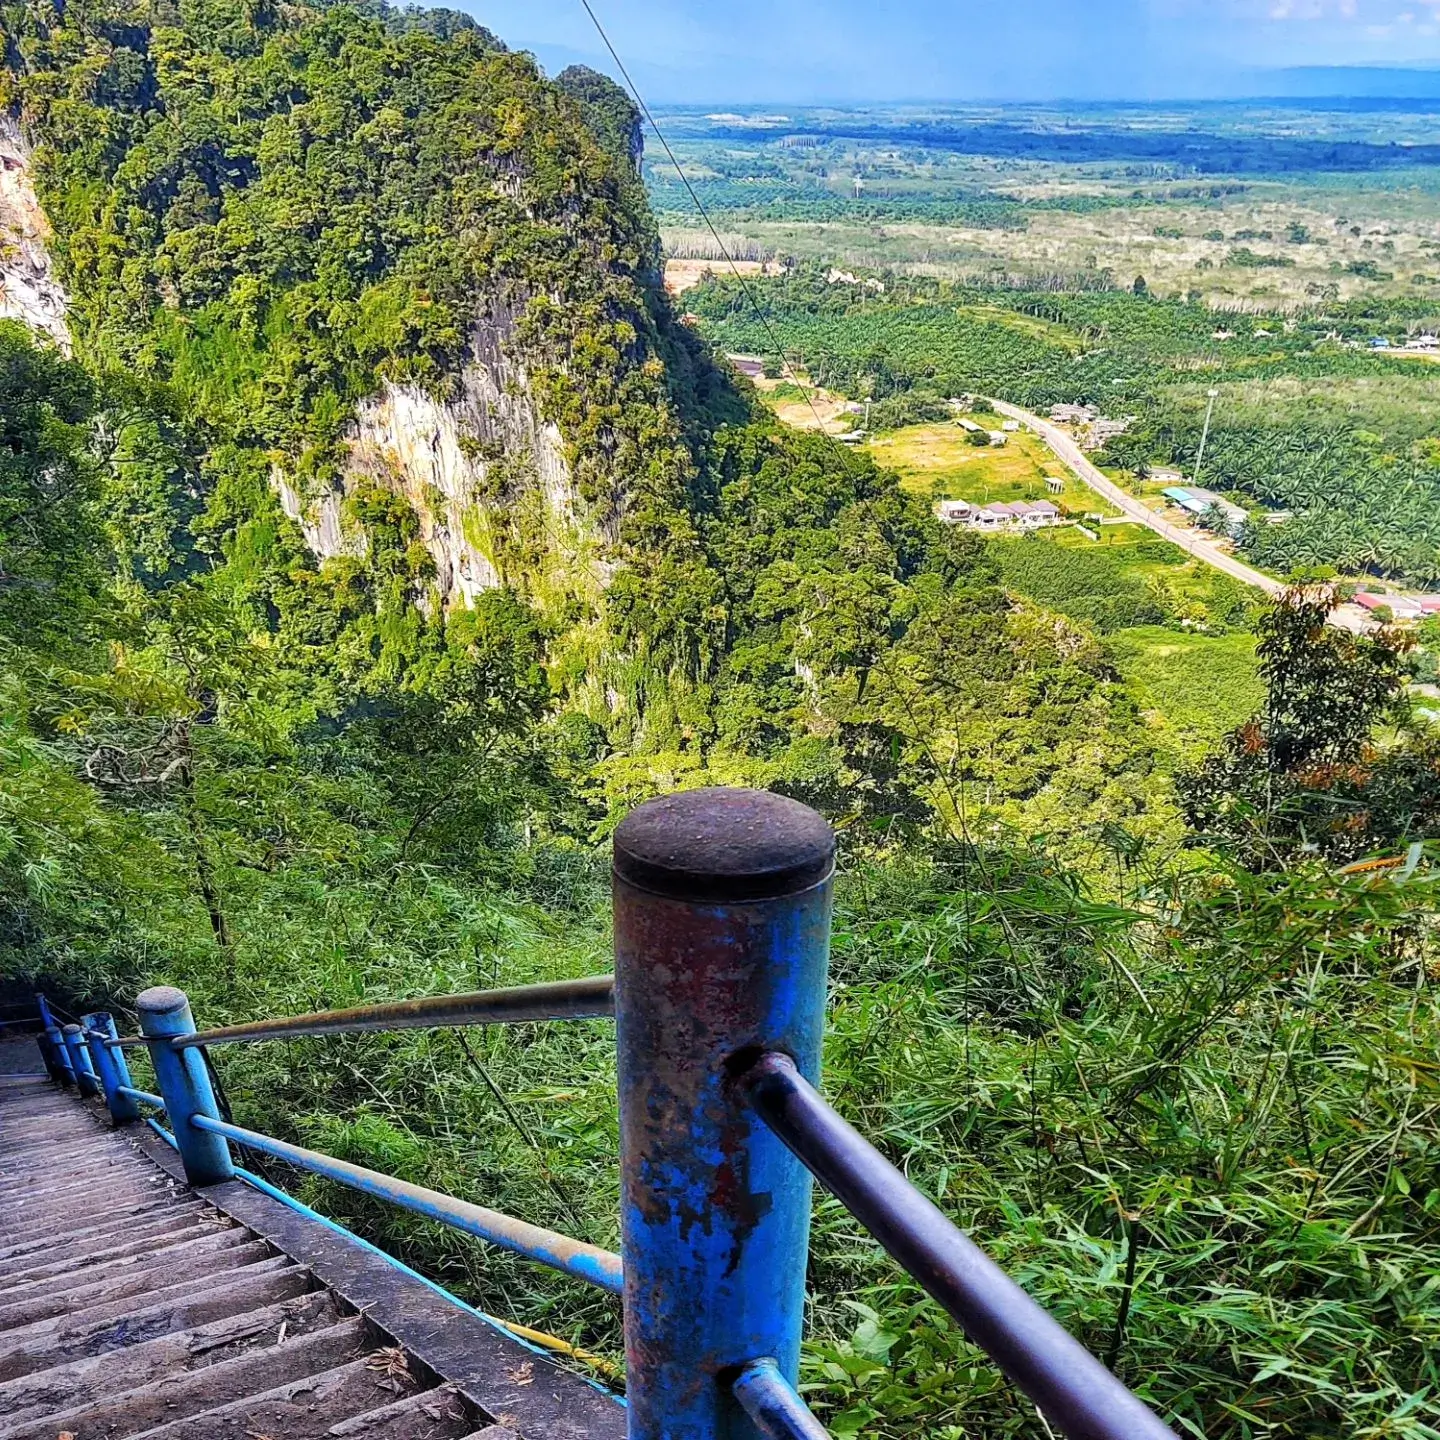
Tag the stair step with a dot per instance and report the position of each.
(53, 1159)
(75, 1245)
(77, 1182)
(439, 1414)
(145, 1277)
(44, 1263)
(300, 1410)
(96, 1378)
(116, 1185)
(92, 1205)
(55, 1168)
(244, 1290)
(181, 1254)
(113, 1307)
(178, 1396)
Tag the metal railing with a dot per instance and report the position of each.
(722, 909)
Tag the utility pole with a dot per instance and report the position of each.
(1204, 435)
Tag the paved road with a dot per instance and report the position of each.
(1063, 444)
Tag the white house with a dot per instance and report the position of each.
(1016, 515)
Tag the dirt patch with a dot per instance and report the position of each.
(683, 275)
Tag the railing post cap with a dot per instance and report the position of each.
(721, 844)
(161, 1000)
(71, 1029)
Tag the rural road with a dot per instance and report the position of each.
(1064, 446)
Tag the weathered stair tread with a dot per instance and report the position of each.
(178, 1396)
(141, 1279)
(87, 1382)
(132, 1306)
(107, 1307)
(75, 1245)
(242, 1291)
(181, 1253)
(42, 1264)
(438, 1414)
(299, 1410)
(32, 1221)
(114, 1182)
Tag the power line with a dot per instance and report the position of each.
(703, 213)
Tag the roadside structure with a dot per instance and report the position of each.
(999, 515)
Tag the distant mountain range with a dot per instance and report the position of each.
(1356, 82)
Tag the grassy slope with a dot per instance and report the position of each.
(1203, 685)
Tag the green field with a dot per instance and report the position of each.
(938, 462)
(1202, 685)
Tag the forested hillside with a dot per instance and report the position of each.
(386, 539)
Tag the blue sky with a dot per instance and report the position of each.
(763, 50)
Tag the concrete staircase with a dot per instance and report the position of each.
(132, 1306)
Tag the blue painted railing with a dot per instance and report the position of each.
(722, 904)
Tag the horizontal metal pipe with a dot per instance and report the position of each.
(588, 999)
(769, 1400)
(161, 1131)
(560, 1252)
(1076, 1393)
(143, 1096)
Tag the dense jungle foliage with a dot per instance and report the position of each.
(1303, 422)
(1160, 1033)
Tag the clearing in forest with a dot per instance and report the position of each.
(939, 462)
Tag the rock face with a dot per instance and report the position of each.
(29, 291)
(479, 469)
(486, 476)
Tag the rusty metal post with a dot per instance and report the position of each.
(79, 1057)
(722, 936)
(184, 1084)
(110, 1067)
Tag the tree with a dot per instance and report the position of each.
(1309, 772)
(50, 546)
(1140, 287)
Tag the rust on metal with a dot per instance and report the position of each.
(722, 922)
(590, 998)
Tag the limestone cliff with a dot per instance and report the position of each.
(479, 468)
(486, 476)
(29, 291)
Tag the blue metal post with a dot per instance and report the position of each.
(57, 1042)
(47, 1057)
(79, 1057)
(47, 1054)
(722, 934)
(184, 1083)
(110, 1067)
